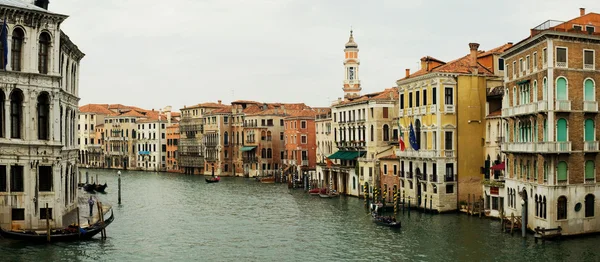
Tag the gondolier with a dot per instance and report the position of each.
(91, 203)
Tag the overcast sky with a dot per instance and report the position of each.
(151, 53)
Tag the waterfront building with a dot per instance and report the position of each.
(388, 181)
(39, 87)
(493, 179)
(151, 144)
(217, 142)
(90, 141)
(120, 134)
(173, 137)
(324, 138)
(362, 126)
(241, 154)
(191, 148)
(300, 154)
(442, 119)
(550, 111)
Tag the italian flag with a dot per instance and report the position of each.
(401, 142)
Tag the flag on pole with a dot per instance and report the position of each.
(412, 138)
(401, 140)
(4, 37)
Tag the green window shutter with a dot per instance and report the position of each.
(562, 171)
(589, 90)
(589, 169)
(561, 89)
(589, 130)
(561, 130)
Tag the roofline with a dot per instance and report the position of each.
(530, 41)
(3, 12)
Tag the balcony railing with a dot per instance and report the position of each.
(525, 109)
(554, 147)
(449, 108)
(542, 105)
(433, 178)
(590, 146)
(448, 153)
(401, 112)
(506, 112)
(561, 64)
(449, 178)
(400, 174)
(590, 106)
(409, 175)
(524, 147)
(432, 109)
(588, 66)
(304, 162)
(416, 154)
(563, 105)
(409, 111)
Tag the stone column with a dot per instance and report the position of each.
(7, 117)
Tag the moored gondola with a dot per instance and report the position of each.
(213, 179)
(60, 235)
(100, 188)
(387, 221)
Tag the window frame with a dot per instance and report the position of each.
(593, 64)
(566, 57)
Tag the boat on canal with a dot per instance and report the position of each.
(100, 188)
(315, 191)
(267, 180)
(213, 179)
(329, 194)
(71, 233)
(387, 221)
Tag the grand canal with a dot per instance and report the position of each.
(165, 217)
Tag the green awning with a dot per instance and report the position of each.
(347, 155)
(247, 148)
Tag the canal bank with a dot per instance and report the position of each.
(172, 217)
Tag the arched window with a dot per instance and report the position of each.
(43, 108)
(535, 91)
(589, 130)
(269, 136)
(537, 206)
(561, 173)
(372, 133)
(269, 153)
(263, 153)
(561, 88)
(44, 53)
(263, 135)
(514, 96)
(561, 208)
(590, 170)
(243, 137)
(561, 130)
(588, 90)
(2, 120)
(386, 133)
(589, 205)
(16, 113)
(226, 138)
(17, 45)
(544, 209)
(545, 89)
(237, 138)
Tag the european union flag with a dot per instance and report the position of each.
(4, 36)
(412, 138)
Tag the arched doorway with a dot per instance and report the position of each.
(525, 206)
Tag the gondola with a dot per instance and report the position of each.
(213, 179)
(385, 221)
(61, 235)
(100, 188)
(90, 188)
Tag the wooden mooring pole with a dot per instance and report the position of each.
(48, 223)
(119, 173)
(78, 223)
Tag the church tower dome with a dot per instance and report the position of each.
(351, 81)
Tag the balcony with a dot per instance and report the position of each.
(525, 109)
(416, 111)
(449, 178)
(554, 147)
(400, 174)
(561, 64)
(506, 112)
(542, 105)
(416, 154)
(409, 111)
(590, 106)
(590, 146)
(563, 105)
(401, 112)
(588, 66)
(433, 109)
(409, 175)
(433, 178)
(304, 162)
(449, 108)
(520, 147)
(448, 153)
(250, 159)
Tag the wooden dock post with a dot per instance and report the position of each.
(119, 173)
(468, 204)
(431, 205)
(48, 223)
(408, 206)
(78, 224)
(480, 206)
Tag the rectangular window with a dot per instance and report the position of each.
(545, 57)
(410, 101)
(303, 124)
(16, 178)
(385, 112)
(588, 59)
(424, 96)
(417, 98)
(3, 187)
(514, 69)
(18, 214)
(527, 62)
(590, 29)
(395, 170)
(434, 96)
(45, 178)
(280, 122)
(448, 140)
(500, 64)
(561, 57)
(521, 66)
(43, 213)
(304, 140)
(334, 117)
(164, 148)
(401, 101)
(450, 189)
(535, 61)
(448, 97)
(372, 112)
(385, 169)
(577, 28)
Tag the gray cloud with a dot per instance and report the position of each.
(183, 52)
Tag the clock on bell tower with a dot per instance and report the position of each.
(351, 63)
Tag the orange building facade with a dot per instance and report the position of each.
(300, 154)
(173, 137)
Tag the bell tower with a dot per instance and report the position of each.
(351, 63)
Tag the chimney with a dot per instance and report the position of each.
(581, 11)
(407, 72)
(219, 101)
(42, 3)
(473, 55)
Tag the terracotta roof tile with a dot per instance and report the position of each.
(389, 157)
(495, 113)
(96, 108)
(496, 51)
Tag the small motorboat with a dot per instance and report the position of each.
(101, 188)
(328, 193)
(387, 221)
(213, 179)
(268, 180)
(314, 191)
(71, 233)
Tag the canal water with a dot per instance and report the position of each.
(168, 217)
